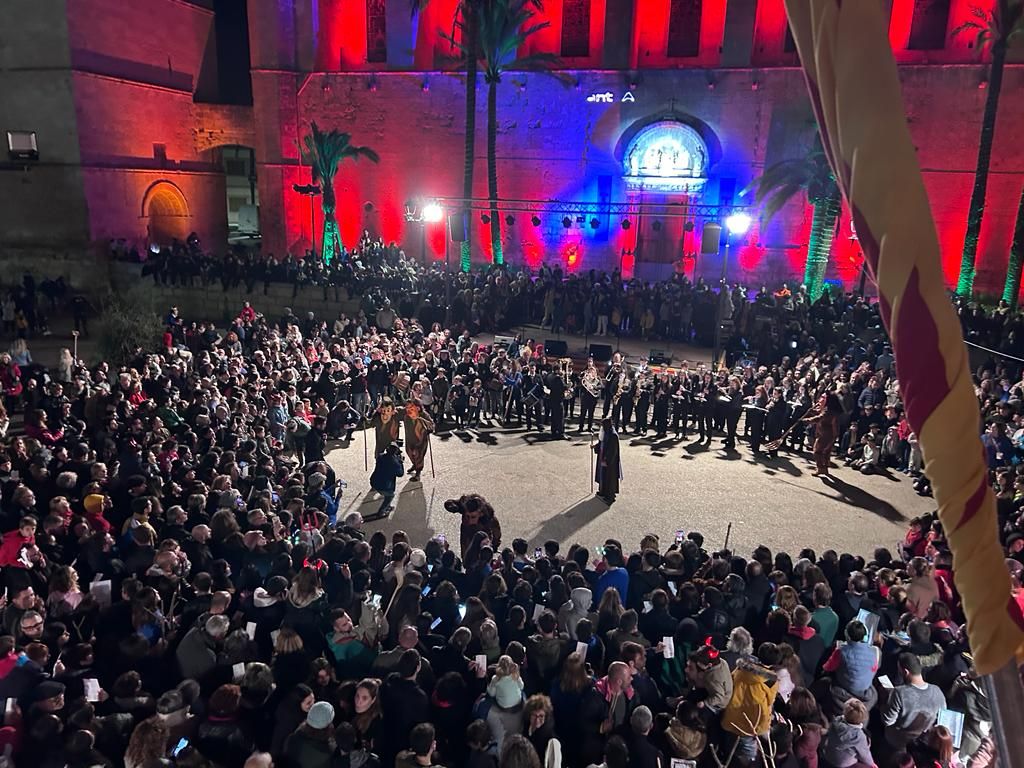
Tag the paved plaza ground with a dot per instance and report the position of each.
(541, 490)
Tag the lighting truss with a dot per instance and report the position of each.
(574, 208)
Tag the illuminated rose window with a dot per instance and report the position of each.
(667, 156)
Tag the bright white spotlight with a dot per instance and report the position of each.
(738, 223)
(432, 213)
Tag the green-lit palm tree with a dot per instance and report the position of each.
(993, 30)
(500, 28)
(323, 151)
(471, 65)
(1013, 269)
(812, 175)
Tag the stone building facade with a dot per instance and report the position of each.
(128, 102)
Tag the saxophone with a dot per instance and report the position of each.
(622, 386)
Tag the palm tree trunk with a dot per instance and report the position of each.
(469, 157)
(823, 230)
(492, 169)
(1013, 270)
(976, 208)
(330, 232)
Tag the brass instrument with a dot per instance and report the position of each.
(622, 386)
(592, 383)
(565, 370)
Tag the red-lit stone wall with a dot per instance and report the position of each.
(552, 144)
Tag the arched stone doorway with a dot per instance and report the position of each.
(665, 163)
(166, 210)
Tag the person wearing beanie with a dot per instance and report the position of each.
(94, 505)
(312, 745)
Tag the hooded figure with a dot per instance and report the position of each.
(608, 468)
(576, 608)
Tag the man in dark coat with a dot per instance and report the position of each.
(608, 469)
(404, 704)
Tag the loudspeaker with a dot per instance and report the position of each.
(658, 357)
(601, 353)
(556, 348)
(710, 239)
(458, 226)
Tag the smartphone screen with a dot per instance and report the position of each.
(435, 623)
(680, 535)
(538, 553)
(375, 601)
(462, 610)
(182, 743)
(425, 591)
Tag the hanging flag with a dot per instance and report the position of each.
(855, 91)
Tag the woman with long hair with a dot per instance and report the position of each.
(567, 695)
(289, 715)
(368, 716)
(290, 662)
(148, 743)
(609, 611)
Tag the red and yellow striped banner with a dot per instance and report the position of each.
(855, 90)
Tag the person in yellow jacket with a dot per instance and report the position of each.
(749, 712)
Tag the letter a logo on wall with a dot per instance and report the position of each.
(627, 96)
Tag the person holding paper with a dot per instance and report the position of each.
(913, 706)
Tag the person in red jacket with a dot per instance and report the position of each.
(15, 541)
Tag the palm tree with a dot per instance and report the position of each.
(810, 174)
(323, 152)
(1013, 269)
(993, 30)
(471, 63)
(501, 27)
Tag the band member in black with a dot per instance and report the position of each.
(611, 383)
(662, 401)
(533, 391)
(775, 419)
(644, 390)
(554, 390)
(591, 387)
(756, 408)
(681, 402)
(622, 402)
(512, 381)
(704, 403)
(731, 400)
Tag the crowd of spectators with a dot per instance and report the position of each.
(181, 591)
